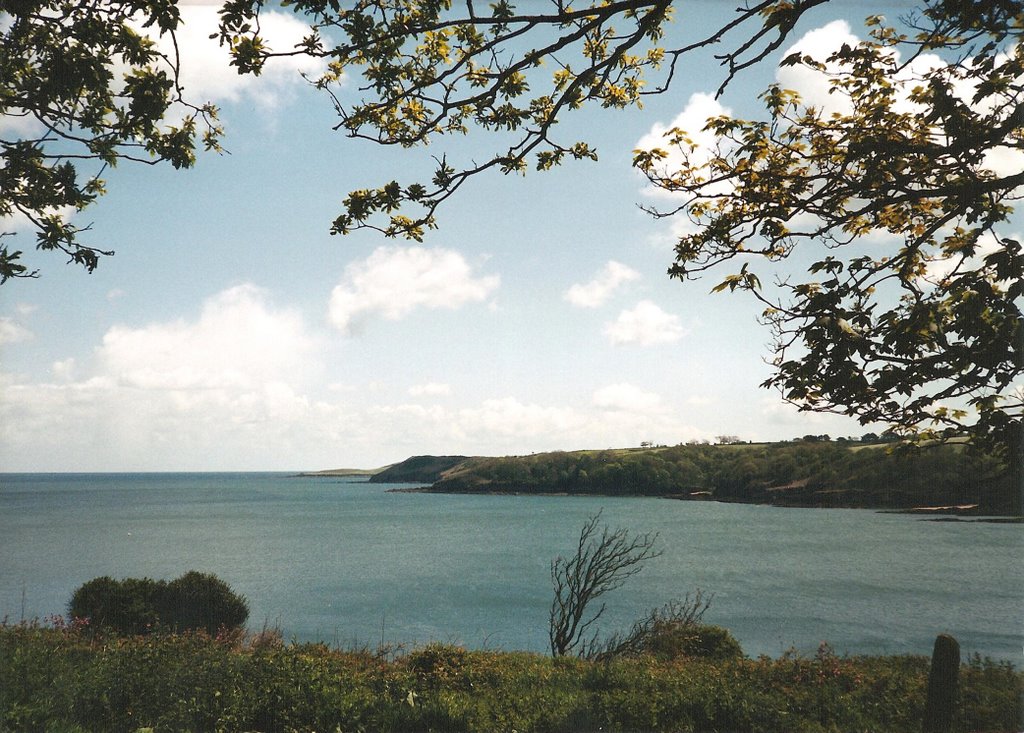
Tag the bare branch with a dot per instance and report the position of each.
(605, 559)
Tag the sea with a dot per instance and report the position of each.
(355, 564)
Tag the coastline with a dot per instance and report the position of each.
(940, 481)
(952, 513)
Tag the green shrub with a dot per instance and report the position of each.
(194, 602)
(201, 601)
(703, 641)
(129, 606)
(673, 631)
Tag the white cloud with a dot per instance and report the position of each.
(12, 332)
(64, 370)
(508, 416)
(692, 120)
(940, 267)
(513, 426)
(812, 85)
(17, 222)
(394, 281)
(430, 389)
(225, 389)
(1004, 161)
(678, 227)
(645, 325)
(626, 397)
(598, 290)
(206, 71)
(238, 342)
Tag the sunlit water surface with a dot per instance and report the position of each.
(347, 562)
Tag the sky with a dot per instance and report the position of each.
(231, 331)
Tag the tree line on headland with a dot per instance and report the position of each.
(811, 473)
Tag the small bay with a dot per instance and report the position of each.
(350, 563)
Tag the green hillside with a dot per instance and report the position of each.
(418, 469)
(800, 473)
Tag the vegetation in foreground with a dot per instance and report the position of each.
(64, 678)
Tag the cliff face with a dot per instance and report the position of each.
(418, 469)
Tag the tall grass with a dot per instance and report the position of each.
(59, 678)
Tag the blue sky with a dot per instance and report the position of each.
(232, 332)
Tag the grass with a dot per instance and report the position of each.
(58, 678)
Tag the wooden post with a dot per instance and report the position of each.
(943, 681)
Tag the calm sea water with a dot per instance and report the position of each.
(346, 562)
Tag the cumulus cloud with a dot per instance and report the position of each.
(64, 369)
(644, 325)
(11, 332)
(394, 281)
(617, 416)
(225, 388)
(430, 389)
(508, 416)
(626, 397)
(812, 85)
(939, 268)
(592, 294)
(243, 383)
(206, 72)
(17, 222)
(692, 120)
(238, 342)
(815, 89)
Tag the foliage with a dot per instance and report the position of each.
(602, 563)
(202, 601)
(918, 152)
(129, 606)
(672, 632)
(60, 679)
(802, 473)
(84, 87)
(194, 602)
(433, 69)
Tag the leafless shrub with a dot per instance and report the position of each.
(604, 560)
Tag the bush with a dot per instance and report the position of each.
(674, 631)
(194, 602)
(702, 641)
(201, 601)
(129, 606)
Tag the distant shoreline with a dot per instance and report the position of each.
(957, 513)
(342, 473)
(934, 481)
